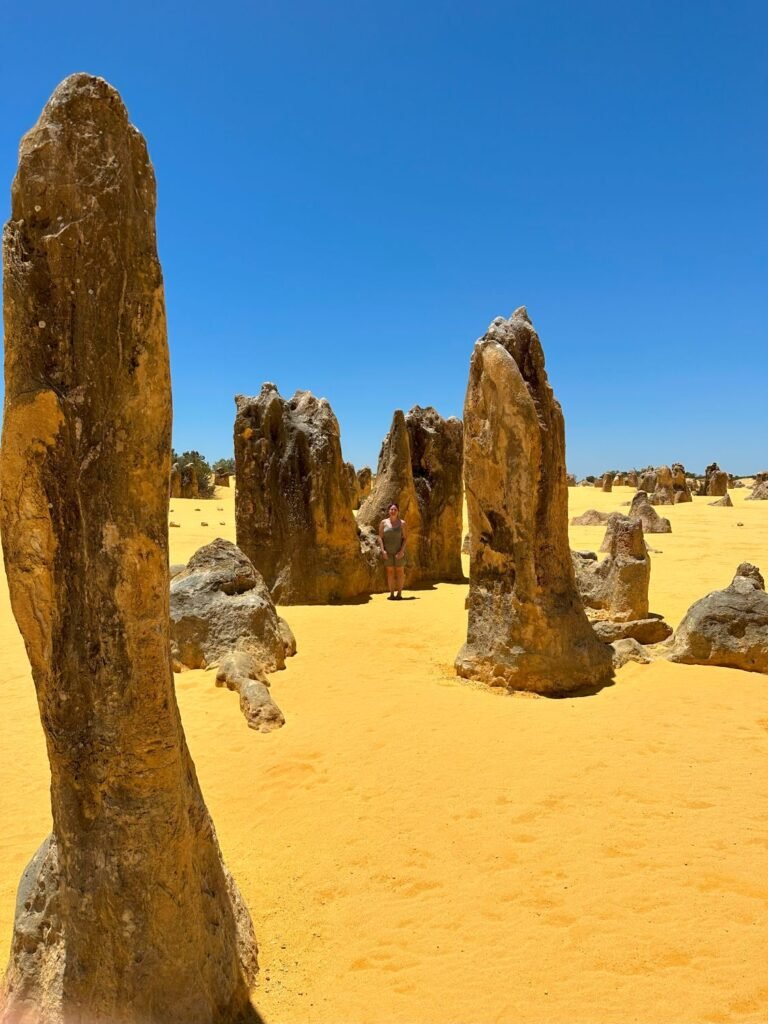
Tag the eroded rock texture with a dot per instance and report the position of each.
(220, 606)
(175, 482)
(642, 509)
(607, 482)
(727, 627)
(420, 468)
(364, 481)
(615, 591)
(724, 502)
(354, 486)
(670, 485)
(190, 487)
(759, 492)
(127, 913)
(293, 507)
(527, 627)
(592, 517)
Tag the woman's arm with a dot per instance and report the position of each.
(381, 537)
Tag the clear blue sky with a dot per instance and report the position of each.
(350, 192)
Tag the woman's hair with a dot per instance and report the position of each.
(389, 506)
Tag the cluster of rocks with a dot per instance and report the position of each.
(615, 591)
(127, 911)
(665, 485)
(294, 498)
(527, 628)
(420, 468)
(222, 614)
(759, 489)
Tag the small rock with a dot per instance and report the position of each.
(174, 524)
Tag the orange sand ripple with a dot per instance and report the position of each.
(416, 849)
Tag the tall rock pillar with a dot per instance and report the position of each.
(127, 913)
(527, 627)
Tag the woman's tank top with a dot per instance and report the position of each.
(393, 536)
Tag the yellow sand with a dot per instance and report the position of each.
(416, 849)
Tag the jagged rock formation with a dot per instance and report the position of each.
(759, 492)
(591, 518)
(727, 627)
(189, 485)
(670, 486)
(527, 628)
(570, 479)
(615, 591)
(715, 481)
(293, 508)
(175, 481)
(127, 913)
(724, 502)
(364, 482)
(607, 482)
(641, 509)
(220, 606)
(354, 485)
(420, 468)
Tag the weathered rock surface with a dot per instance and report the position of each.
(527, 627)
(627, 650)
(293, 508)
(175, 481)
(641, 509)
(364, 480)
(724, 502)
(591, 518)
(570, 479)
(221, 606)
(221, 479)
(354, 485)
(420, 468)
(715, 481)
(671, 487)
(127, 913)
(727, 627)
(759, 492)
(632, 478)
(615, 591)
(607, 482)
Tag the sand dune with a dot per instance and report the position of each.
(417, 849)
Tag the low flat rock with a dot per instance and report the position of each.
(591, 518)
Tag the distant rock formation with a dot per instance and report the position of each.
(127, 912)
(715, 481)
(607, 482)
(354, 485)
(727, 627)
(615, 591)
(632, 478)
(220, 606)
(570, 479)
(527, 627)
(641, 509)
(591, 518)
(189, 484)
(420, 468)
(669, 485)
(221, 479)
(175, 481)
(364, 477)
(759, 492)
(293, 507)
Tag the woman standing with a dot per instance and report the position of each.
(392, 538)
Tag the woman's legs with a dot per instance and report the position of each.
(399, 579)
(391, 580)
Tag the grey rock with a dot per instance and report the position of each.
(728, 627)
(627, 650)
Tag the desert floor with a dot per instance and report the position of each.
(416, 849)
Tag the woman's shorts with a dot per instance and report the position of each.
(392, 562)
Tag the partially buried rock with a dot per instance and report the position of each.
(728, 627)
(627, 650)
(759, 492)
(591, 518)
(127, 913)
(293, 506)
(642, 509)
(615, 591)
(527, 629)
(220, 606)
(724, 502)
